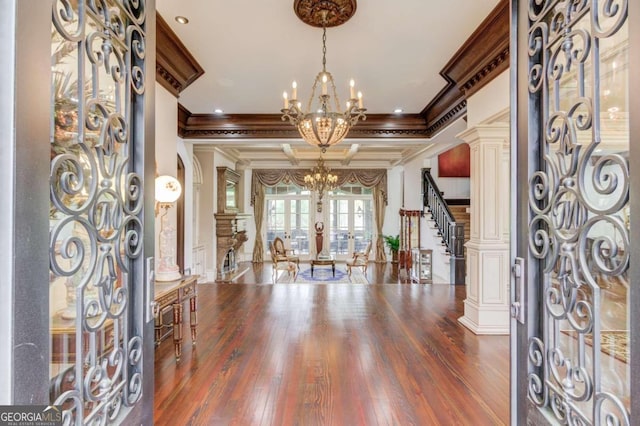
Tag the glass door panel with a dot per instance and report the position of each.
(288, 218)
(339, 230)
(362, 224)
(96, 236)
(299, 225)
(576, 350)
(275, 221)
(350, 225)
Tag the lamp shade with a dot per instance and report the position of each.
(168, 189)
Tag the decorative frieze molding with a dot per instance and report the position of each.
(451, 115)
(492, 69)
(271, 126)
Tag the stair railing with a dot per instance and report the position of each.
(451, 232)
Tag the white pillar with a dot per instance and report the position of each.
(486, 308)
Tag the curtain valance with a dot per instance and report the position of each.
(369, 178)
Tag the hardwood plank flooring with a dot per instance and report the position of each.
(332, 354)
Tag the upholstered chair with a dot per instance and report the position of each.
(285, 254)
(282, 263)
(359, 259)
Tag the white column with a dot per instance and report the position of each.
(486, 308)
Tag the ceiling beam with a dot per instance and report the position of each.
(352, 151)
(286, 148)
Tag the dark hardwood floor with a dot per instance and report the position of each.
(334, 354)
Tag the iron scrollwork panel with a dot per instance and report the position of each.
(96, 230)
(578, 203)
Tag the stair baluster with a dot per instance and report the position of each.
(452, 233)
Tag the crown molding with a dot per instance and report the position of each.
(176, 68)
(483, 56)
(270, 126)
(448, 105)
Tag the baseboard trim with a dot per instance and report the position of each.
(488, 330)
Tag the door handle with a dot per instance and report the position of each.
(518, 307)
(150, 305)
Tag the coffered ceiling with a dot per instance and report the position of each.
(251, 51)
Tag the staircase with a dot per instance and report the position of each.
(451, 232)
(461, 215)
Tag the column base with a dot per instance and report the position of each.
(485, 319)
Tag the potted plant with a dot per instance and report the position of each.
(394, 245)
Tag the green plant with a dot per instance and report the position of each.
(392, 242)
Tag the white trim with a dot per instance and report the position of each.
(7, 176)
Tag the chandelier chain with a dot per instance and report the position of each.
(324, 48)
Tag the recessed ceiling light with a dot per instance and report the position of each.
(181, 20)
(398, 110)
(218, 111)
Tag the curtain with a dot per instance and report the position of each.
(369, 178)
(258, 215)
(379, 204)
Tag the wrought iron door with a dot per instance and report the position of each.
(97, 240)
(573, 294)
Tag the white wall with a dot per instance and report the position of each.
(489, 101)
(185, 151)
(452, 187)
(207, 231)
(394, 197)
(210, 159)
(246, 251)
(166, 147)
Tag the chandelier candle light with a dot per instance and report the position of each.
(325, 125)
(320, 180)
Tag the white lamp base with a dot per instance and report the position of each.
(169, 275)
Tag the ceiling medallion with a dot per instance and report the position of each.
(313, 12)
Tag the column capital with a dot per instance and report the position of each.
(486, 133)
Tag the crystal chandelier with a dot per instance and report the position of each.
(320, 179)
(325, 124)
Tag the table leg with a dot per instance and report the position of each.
(312, 270)
(193, 310)
(157, 325)
(333, 269)
(177, 329)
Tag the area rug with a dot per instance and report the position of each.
(323, 275)
(612, 342)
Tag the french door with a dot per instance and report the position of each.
(81, 329)
(576, 116)
(288, 217)
(351, 225)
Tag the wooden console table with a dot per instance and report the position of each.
(171, 295)
(331, 261)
